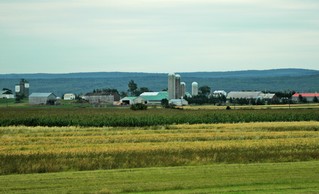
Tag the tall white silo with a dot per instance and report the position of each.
(194, 89)
(171, 86)
(183, 89)
(177, 86)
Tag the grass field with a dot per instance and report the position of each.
(296, 177)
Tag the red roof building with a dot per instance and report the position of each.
(309, 96)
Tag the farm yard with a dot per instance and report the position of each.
(109, 150)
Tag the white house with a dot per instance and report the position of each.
(6, 94)
(69, 96)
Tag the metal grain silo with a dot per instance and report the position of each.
(171, 86)
(194, 89)
(177, 86)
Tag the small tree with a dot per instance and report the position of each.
(138, 106)
(300, 98)
(315, 99)
(165, 103)
(204, 90)
(132, 87)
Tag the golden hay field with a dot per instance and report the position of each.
(50, 149)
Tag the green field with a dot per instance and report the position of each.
(110, 150)
(99, 117)
(296, 177)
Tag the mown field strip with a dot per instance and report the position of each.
(297, 177)
(50, 149)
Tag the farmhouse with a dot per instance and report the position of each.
(154, 98)
(309, 97)
(42, 98)
(7, 94)
(69, 96)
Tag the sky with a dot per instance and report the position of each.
(62, 36)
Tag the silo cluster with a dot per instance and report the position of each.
(176, 88)
(22, 89)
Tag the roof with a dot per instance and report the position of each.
(154, 96)
(129, 98)
(41, 95)
(6, 92)
(306, 94)
(268, 96)
(253, 95)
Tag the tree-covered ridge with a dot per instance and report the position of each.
(269, 80)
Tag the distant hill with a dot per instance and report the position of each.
(274, 80)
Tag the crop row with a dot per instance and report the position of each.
(152, 117)
(49, 149)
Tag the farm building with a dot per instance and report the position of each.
(7, 94)
(244, 95)
(140, 100)
(69, 96)
(42, 98)
(154, 98)
(97, 98)
(309, 97)
(252, 96)
(133, 100)
(270, 97)
(178, 102)
(218, 93)
(127, 100)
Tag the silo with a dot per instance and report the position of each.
(194, 89)
(26, 86)
(171, 86)
(183, 89)
(177, 86)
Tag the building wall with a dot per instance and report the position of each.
(35, 100)
(100, 99)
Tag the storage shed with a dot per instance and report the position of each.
(42, 98)
(127, 100)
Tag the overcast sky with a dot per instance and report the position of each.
(49, 36)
